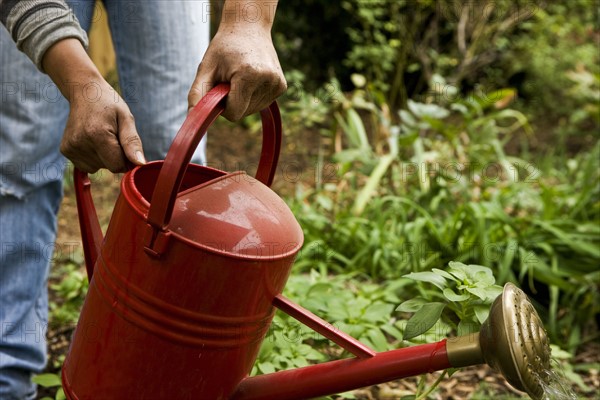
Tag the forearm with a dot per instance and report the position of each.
(242, 53)
(248, 14)
(71, 69)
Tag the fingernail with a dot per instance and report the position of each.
(139, 156)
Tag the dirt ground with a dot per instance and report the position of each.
(235, 148)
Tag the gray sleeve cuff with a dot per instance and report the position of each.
(36, 26)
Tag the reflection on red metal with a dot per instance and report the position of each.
(185, 283)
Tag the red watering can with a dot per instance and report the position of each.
(186, 281)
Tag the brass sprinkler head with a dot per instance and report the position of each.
(512, 341)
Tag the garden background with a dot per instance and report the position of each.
(420, 136)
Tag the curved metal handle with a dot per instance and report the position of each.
(91, 234)
(185, 143)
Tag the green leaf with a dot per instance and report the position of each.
(484, 278)
(423, 320)
(378, 339)
(427, 110)
(481, 312)
(412, 305)
(579, 246)
(443, 273)
(430, 277)
(378, 312)
(458, 270)
(471, 273)
(47, 380)
(345, 395)
(60, 395)
(467, 327)
(479, 292)
(492, 292)
(452, 296)
(266, 367)
(392, 331)
(559, 353)
(407, 118)
(372, 184)
(319, 289)
(300, 362)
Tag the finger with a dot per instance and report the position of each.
(273, 86)
(129, 139)
(202, 84)
(260, 99)
(85, 167)
(88, 161)
(111, 153)
(239, 97)
(268, 88)
(90, 164)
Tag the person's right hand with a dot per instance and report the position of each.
(100, 131)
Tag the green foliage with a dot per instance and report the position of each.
(467, 291)
(439, 186)
(358, 307)
(50, 381)
(423, 320)
(376, 36)
(303, 109)
(547, 51)
(365, 310)
(310, 36)
(70, 291)
(562, 69)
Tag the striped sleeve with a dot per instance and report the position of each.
(35, 25)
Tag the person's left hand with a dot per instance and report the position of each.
(245, 57)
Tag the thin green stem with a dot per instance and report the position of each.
(420, 385)
(432, 387)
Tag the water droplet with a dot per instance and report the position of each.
(552, 383)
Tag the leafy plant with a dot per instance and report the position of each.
(50, 381)
(467, 291)
(356, 306)
(464, 292)
(70, 291)
(440, 186)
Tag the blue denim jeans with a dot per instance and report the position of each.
(159, 45)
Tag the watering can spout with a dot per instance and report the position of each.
(343, 375)
(91, 234)
(508, 341)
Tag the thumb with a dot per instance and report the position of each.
(201, 86)
(129, 139)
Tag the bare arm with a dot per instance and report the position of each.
(242, 54)
(100, 131)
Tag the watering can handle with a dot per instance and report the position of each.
(193, 129)
(91, 233)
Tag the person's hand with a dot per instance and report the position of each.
(100, 131)
(242, 54)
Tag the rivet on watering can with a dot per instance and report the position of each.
(156, 241)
